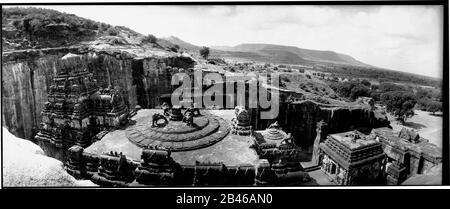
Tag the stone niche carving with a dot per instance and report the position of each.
(241, 124)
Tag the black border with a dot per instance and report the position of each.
(445, 79)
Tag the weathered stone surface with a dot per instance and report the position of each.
(300, 119)
(178, 136)
(27, 75)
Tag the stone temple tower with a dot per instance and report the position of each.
(77, 109)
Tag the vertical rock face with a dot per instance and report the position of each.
(27, 75)
(115, 71)
(153, 77)
(300, 119)
(24, 92)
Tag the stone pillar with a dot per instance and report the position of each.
(321, 131)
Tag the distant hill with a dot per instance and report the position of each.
(271, 53)
(183, 44)
(335, 63)
(30, 27)
(292, 54)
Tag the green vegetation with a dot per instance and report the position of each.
(112, 31)
(400, 104)
(399, 100)
(149, 39)
(204, 52)
(381, 75)
(429, 100)
(175, 48)
(434, 107)
(37, 27)
(351, 89)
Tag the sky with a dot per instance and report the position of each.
(404, 38)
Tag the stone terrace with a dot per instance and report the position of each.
(232, 150)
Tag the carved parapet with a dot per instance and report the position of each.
(156, 168)
(210, 174)
(92, 162)
(396, 174)
(241, 174)
(264, 174)
(185, 175)
(114, 170)
(74, 164)
(264, 146)
(292, 178)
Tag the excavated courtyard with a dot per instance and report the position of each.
(231, 150)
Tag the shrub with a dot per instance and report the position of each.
(365, 83)
(149, 39)
(112, 31)
(175, 48)
(434, 107)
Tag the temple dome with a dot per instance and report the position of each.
(273, 134)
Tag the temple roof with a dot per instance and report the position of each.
(347, 139)
(352, 148)
(423, 147)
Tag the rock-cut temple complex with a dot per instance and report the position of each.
(352, 158)
(77, 109)
(102, 138)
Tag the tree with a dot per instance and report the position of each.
(365, 83)
(112, 31)
(400, 104)
(359, 91)
(434, 106)
(149, 39)
(204, 52)
(175, 48)
(387, 87)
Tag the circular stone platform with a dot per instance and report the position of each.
(177, 136)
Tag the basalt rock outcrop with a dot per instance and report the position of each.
(157, 168)
(27, 75)
(300, 119)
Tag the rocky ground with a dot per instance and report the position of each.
(25, 165)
